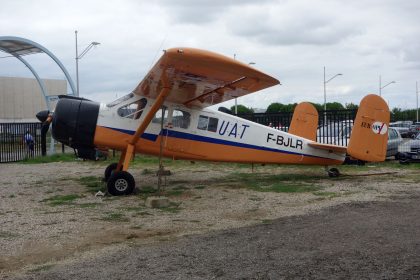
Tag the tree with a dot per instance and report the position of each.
(334, 106)
(280, 108)
(318, 106)
(242, 109)
(352, 106)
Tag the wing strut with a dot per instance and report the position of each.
(128, 153)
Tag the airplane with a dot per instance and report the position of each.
(167, 114)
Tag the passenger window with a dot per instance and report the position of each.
(203, 122)
(158, 116)
(206, 123)
(181, 118)
(133, 110)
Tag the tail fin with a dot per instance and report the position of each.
(305, 121)
(369, 137)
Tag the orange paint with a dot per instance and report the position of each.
(197, 150)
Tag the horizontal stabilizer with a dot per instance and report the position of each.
(329, 147)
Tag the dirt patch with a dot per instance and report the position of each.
(205, 197)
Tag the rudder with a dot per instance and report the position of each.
(369, 136)
(304, 121)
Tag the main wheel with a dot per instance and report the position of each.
(121, 183)
(109, 170)
(333, 172)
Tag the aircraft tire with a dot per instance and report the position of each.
(333, 172)
(108, 171)
(121, 183)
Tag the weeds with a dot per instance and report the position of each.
(61, 199)
(284, 183)
(7, 235)
(92, 183)
(172, 208)
(44, 267)
(51, 158)
(115, 217)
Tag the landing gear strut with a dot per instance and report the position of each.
(109, 170)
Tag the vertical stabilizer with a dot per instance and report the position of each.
(305, 121)
(369, 137)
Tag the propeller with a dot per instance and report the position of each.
(45, 117)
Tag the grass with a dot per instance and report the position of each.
(146, 191)
(267, 222)
(326, 194)
(172, 208)
(115, 217)
(6, 234)
(88, 205)
(92, 183)
(61, 199)
(280, 183)
(44, 267)
(52, 158)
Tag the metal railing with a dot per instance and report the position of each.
(334, 125)
(13, 146)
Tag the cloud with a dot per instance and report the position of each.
(199, 12)
(291, 23)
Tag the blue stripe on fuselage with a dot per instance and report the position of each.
(199, 138)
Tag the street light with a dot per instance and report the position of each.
(78, 57)
(417, 103)
(381, 87)
(325, 94)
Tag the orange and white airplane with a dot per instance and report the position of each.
(167, 114)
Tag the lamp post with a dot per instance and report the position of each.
(381, 87)
(325, 94)
(78, 57)
(417, 103)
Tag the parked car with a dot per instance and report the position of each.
(403, 128)
(339, 134)
(394, 142)
(410, 151)
(414, 129)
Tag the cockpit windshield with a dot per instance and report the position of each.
(120, 100)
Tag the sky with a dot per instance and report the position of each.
(291, 40)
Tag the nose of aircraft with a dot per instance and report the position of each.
(74, 122)
(43, 115)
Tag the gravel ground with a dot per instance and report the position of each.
(370, 240)
(36, 236)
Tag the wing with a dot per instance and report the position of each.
(201, 78)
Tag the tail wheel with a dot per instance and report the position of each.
(121, 183)
(333, 172)
(109, 170)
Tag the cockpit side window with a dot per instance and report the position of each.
(158, 116)
(120, 100)
(207, 123)
(181, 118)
(133, 110)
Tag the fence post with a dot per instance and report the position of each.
(44, 130)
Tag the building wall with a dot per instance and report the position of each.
(21, 98)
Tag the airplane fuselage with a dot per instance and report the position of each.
(203, 134)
